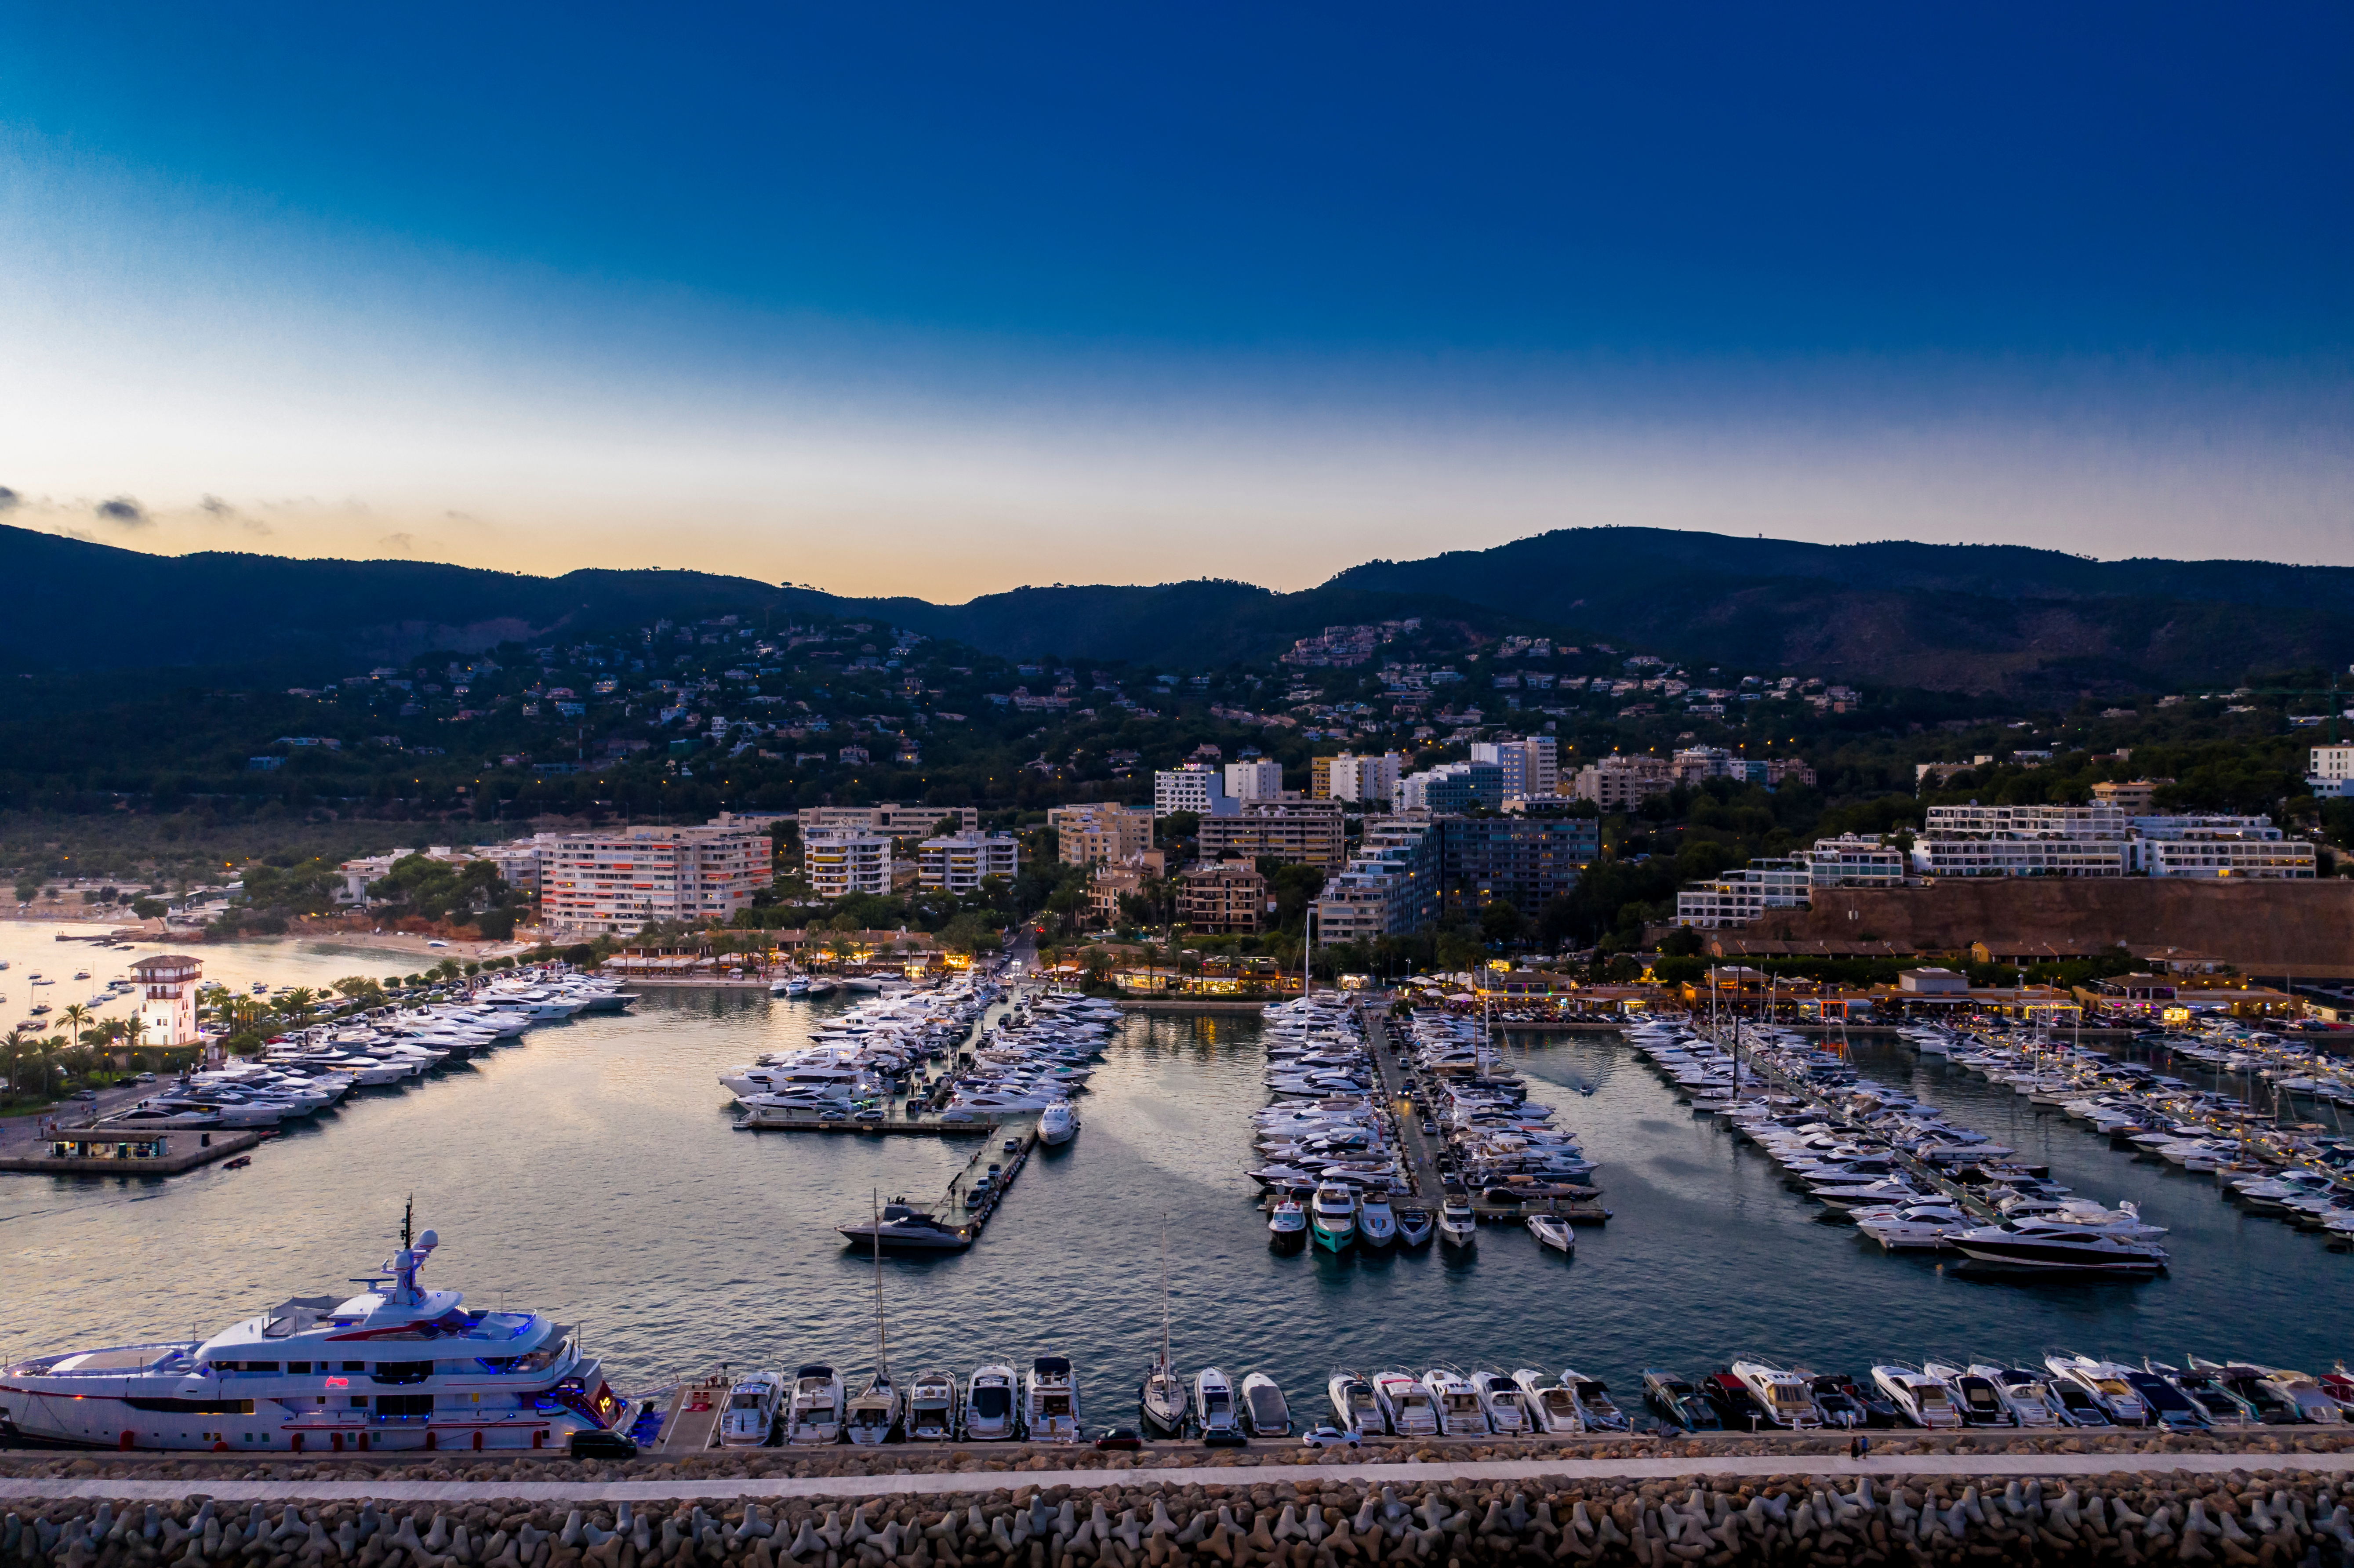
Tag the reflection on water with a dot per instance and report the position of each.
(591, 1171)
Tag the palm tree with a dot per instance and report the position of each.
(76, 1018)
(297, 1002)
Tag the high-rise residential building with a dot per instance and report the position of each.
(1221, 898)
(1197, 787)
(1618, 783)
(617, 879)
(1254, 780)
(1304, 832)
(1367, 780)
(959, 863)
(844, 860)
(1320, 778)
(1099, 833)
(1391, 885)
(1531, 765)
(1452, 788)
(1524, 861)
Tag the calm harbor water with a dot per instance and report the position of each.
(590, 1170)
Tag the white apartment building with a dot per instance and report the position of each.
(2100, 840)
(1532, 766)
(1740, 896)
(2097, 820)
(1390, 888)
(1367, 780)
(896, 819)
(617, 879)
(2330, 775)
(1854, 860)
(2022, 856)
(518, 862)
(957, 862)
(1256, 781)
(1620, 783)
(2221, 847)
(1197, 787)
(844, 860)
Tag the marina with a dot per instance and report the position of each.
(720, 1230)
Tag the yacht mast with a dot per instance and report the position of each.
(882, 1346)
(1164, 1300)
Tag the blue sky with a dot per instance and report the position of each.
(931, 298)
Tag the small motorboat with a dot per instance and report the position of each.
(932, 1407)
(1507, 1406)
(1214, 1408)
(751, 1415)
(1552, 1231)
(1376, 1225)
(1674, 1397)
(1265, 1412)
(240, 1163)
(1458, 1227)
(991, 1414)
(1413, 1226)
(1595, 1409)
(1287, 1228)
(1552, 1408)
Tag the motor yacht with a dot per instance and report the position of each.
(902, 1228)
(1673, 1397)
(1213, 1406)
(813, 1414)
(2105, 1382)
(1286, 1226)
(2032, 1245)
(1552, 1231)
(991, 1405)
(1051, 1411)
(1265, 1412)
(752, 1416)
(2025, 1393)
(2304, 1395)
(2250, 1384)
(2168, 1405)
(1405, 1405)
(1783, 1396)
(1461, 1412)
(1458, 1227)
(1413, 1226)
(1356, 1407)
(1920, 1399)
(1057, 1124)
(932, 1407)
(1596, 1411)
(283, 1381)
(1376, 1226)
(2217, 1404)
(1507, 1408)
(1332, 1216)
(1977, 1397)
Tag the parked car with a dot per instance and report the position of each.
(1120, 1437)
(602, 1445)
(1329, 1437)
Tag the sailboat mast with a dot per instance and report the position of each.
(882, 1345)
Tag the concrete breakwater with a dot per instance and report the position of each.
(1259, 1519)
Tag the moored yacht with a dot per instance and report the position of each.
(1920, 1399)
(932, 1407)
(1461, 1411)
(813, 1412)
(1457, 1225)
(1265, 1413)
(1376, 1226)
(1507, 1406)
(1332, 1216)
(1057, 1124)
(751, 1411)
(991, 1411)
(1552, 1408)
(1213, 1406)
(1596, 1411)
(1051, 1410)
(1405, 1404)
(1356, 1408)
(308, 1374)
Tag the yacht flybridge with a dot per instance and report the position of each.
(395, 1367)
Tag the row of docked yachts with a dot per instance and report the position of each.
(866, 1054)
(298, 1075)
(1909, 1177)
(2302, 1172)
(1445, 1402)
(2064, 1391)
(1325, 1142)
(991, 1403)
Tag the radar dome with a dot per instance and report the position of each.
(429, 1240)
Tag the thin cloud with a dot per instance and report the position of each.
(123, 509)
(405, 543)
(220, 511)
(9, 499)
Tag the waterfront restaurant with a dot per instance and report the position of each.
(153, 1146)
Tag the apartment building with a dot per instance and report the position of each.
(1391, 884)
(1453, 788)
(1307, 832)
(1197, 787)
(2330, 773)
(1618, 783)
(898, 821)
(1114, 880)
(1366, 779)
(618, 879)
(2101, 840)
(1531, 765)
(2217, 846)
(1221, 898)
(1740, 896)
(1525, 861)
(1254, 780)
(1099, 834)
(844, 860)
(959, 863)
(2135, 799)
(1855, 860)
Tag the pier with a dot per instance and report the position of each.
(1010, 1162)
(195, 1146)
(692, 1422)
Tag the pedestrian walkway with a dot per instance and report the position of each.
(1413, 1474)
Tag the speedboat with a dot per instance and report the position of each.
(2169, 1406)
(1457, 1225)
(1405, 1404)
(1461, 1412)
(751, 1415)
(2217, 1404)
(2106, 1382)
(1507, 1407)
(1057, 1124)
(2250, 1384)
(1783, 1396)
(1332, 1216)
(1376, 1226)
(1555, 1233)
(1920, 1399)
(2304, 1395)
(1356, 1408)
(1265, 1413)
(1051, 1411)
(990, 1412)
(1413, 1226)
(1213, 1406)
(1976, 1396)
(1286, 1226)
(1674, 1397)
(932, 1407)
(2030, 1400)
(813, 1412)
(1551, 1407)
(1596, 1411)
(280, 1379)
